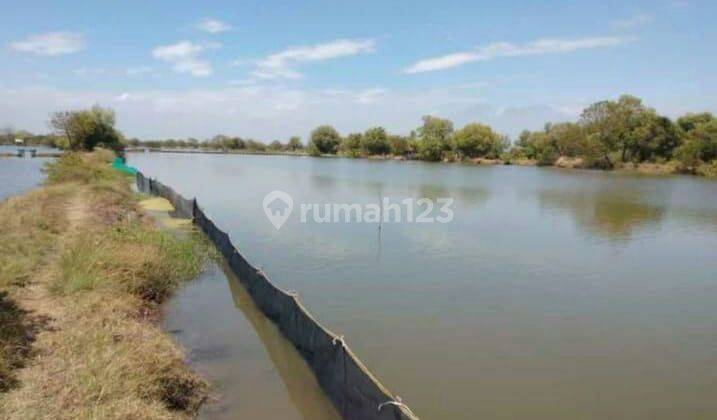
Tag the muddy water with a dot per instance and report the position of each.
(553, 294)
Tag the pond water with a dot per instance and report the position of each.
(553, 294)
(18, 175)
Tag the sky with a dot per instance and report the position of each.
(272, 69)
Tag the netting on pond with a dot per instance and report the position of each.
(355, 392)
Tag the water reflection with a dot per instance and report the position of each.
(604, 215)
(300, 382)
(253, 369)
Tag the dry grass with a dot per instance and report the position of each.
(15, 338)
(29, 227)
(87, 256)
(105, 362)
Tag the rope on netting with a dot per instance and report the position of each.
(398, 403)
(292, 293)
(339, 339)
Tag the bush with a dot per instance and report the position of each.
(82, 168)
(375, 141)
(434, 138)
(351, 145)
(275, 146)
(294, 144)
(325, 140)
(708, 169)
(477, 140)
(398, 145)
(255, 146)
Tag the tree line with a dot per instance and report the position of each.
(608, 134)
(222, 142)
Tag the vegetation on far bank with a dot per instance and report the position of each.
(620, 134)
(82, 272)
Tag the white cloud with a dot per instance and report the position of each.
(635, 21)
(185, 57)
(370, 96)
(278, 65)
(213, 26)
(51, 43)
(507, 49)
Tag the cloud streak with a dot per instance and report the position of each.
(50, 44)
(213, 26)
(507, 49)
(280, 65)
(185, 57)
(633, 22)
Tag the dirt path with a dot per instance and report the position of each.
(35, 298)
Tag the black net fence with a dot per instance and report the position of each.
(355, 392)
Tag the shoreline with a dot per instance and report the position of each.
(645, 168)
(83, 272)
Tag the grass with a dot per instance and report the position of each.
(82, 168)
(15, 340)
(128, 257)
(81, 252)
(29, 226)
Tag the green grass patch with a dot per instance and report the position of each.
(132, 257)
(83, 168)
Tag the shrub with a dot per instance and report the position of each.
(375, 141)
(325, 140)
(434, 138)
(82, 168)
(398, 145)
(477, 140)
(351, 145)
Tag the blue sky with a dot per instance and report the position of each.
(273, 69)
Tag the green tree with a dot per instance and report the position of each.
(568, 139)
(86, 129)
(434, 138)
(275, 146)
(324, 140)
(351, 145)
(255, 146)
(654, 137)
(689, 122)
(478, 140)
(294, 144)
(699, 143)
(621, 127)
(538, 146)
(375, 141)
(399, 145)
